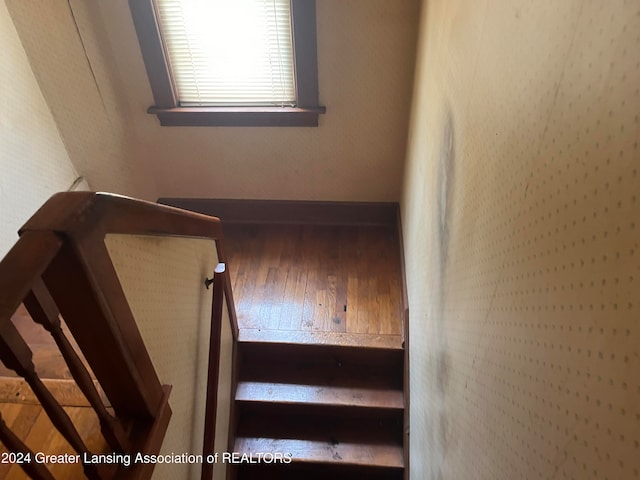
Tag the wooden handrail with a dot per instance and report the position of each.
(75, 214)
(61, 266)
(211, 404)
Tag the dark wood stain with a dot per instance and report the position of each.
(301, 277)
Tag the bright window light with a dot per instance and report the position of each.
(229, 52)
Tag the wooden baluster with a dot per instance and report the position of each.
(17, 355)
(35, 470)
(44, 311)
(211, 405)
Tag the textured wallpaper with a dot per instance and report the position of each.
(33, 161)
(89, 65)
(66, 49)
(162, 278)
(522, 229)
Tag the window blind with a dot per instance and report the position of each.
(229, 52)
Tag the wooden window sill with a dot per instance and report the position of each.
(238, 116)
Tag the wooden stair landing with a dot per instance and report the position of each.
(300, 279)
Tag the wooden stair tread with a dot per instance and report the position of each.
(365, 340)
(315, 451)
(319, 395)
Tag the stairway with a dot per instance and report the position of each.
(335, 410)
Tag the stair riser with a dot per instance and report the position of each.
(336, 374)
(283, 353)
(346, 367)
(391, 417)
(329, 429)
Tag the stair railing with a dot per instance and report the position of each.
(208, 447)
(61, 266)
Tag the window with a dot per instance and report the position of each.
(230, 62)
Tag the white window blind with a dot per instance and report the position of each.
(229, 52)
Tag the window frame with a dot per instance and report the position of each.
(168, 109)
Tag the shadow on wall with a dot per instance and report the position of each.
(445, 197)
(446, 172)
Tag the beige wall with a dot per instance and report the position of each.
(97, 88)
(163, 280)
(522, 231)
(33, 161)
(64, 44)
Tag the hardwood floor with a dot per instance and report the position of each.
(318, 279)
(46, 355)
(308, 284)
(295, 286)
(30, 423)
(322, 360)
